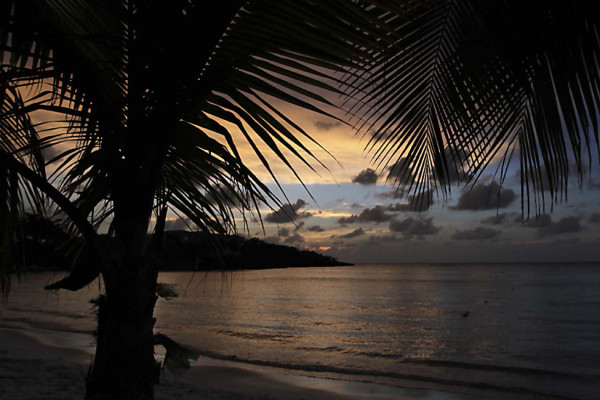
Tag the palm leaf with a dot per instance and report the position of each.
(497, 78)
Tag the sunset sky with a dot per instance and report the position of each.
(353, 214)
(356, 218)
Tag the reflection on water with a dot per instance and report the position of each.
(531, 327)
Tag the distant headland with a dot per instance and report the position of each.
(183, 250)
(51, 248)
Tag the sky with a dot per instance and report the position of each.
(349, 211)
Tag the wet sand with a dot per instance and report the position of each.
(34, 366)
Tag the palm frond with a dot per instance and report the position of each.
(490, 79)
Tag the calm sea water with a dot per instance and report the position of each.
(497, 331)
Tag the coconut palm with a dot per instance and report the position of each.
(139, 98)
(152, 93)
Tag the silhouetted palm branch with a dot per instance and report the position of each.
(466, 83)
(151, 107)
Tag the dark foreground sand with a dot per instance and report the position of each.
(38, 367)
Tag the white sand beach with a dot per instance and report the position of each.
(40, 365)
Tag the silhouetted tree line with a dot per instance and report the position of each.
(48, 246)
(198, 250)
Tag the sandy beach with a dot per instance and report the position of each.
(40, 365)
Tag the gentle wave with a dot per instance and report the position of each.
(563, 321)
(336, 349)
(502, 368)
(58, 313)
(42, 326)
(457, 364)
(259, 336)
(373, 373)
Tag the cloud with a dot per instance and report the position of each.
(375, 240)
(414, 226)
(178, 224)
(326, 126)
(294, 240)
(315, 228)
(415, 203)
(485, 197)
(288, 213)
(594, 218)
(478, 233)
(497, 219)
(455, 159)
(299, 226)
(401, 172)
(541, 221)
(546, 227)
(353, 234)
(366, 177)
(394, 194)
(284, 232)
(594, 185)
(271, 239)
(376, 214)
(558, 184)
(563, 225)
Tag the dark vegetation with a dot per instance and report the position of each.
(197, 251)
(45, 246)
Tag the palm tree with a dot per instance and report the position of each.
(151, 90)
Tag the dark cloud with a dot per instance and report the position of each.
(594, 185)
(299, 226)
(376, 214)
(178, 224)
(401, 172)
(541, 221)
(353, 234)
(294, 240)
(573, 173)
(366, 177)
(326, 125)
(485, 197)
(348, 220)
(563, 225)
(315, 228)
(455, 158)
(284, 232)
(271, 239)
(415, 203)
(394, 194)
(288, 213)
(497, 219)
(414, 226)
(594, 218)
(375, 240)
(568, 241)
(478, 233)
(546, 227)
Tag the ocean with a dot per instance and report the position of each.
(479, 331)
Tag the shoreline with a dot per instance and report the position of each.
(40, 364)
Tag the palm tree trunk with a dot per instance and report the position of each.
(124, 367)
